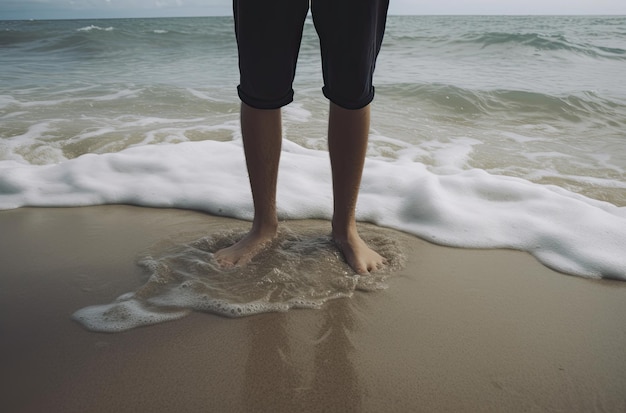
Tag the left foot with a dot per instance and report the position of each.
(358, 254)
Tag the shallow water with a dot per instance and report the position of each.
(302, 269)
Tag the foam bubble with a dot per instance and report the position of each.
(124, 314)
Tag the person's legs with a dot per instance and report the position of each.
(352, 58)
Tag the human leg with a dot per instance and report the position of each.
(351, 33)
(268, 40)
(261, 130)
(347, 142)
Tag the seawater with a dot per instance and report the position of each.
(301, 269)
(486, 131)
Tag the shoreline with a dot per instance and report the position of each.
(457, 330)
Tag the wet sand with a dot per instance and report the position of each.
(457, 330)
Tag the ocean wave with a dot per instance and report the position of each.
(586, 105)
(544, 42)
(93, 27)
(471, 208)
(93, 37)
(15, 38)
(586, 36)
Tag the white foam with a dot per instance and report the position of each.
(124, 314)
(471, 208)
(204, 96)
(121, 94)
(295, 112)
(94, 27)
(7, 100)
(451, 157)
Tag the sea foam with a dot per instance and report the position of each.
(464, 208)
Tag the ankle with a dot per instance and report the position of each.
(344, 232)
(265, 228)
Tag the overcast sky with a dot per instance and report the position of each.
(74, 9)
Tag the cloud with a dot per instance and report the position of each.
(41, 9)
(563, 7)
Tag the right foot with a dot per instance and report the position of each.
(243, 251)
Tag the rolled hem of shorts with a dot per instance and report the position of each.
(350, 104)
(264, 104)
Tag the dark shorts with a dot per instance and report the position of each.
(268, 41)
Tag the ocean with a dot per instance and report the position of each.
(487, 132)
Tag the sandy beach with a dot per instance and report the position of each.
(456, 331)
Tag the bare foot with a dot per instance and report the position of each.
(359, 255)
(243, 251)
